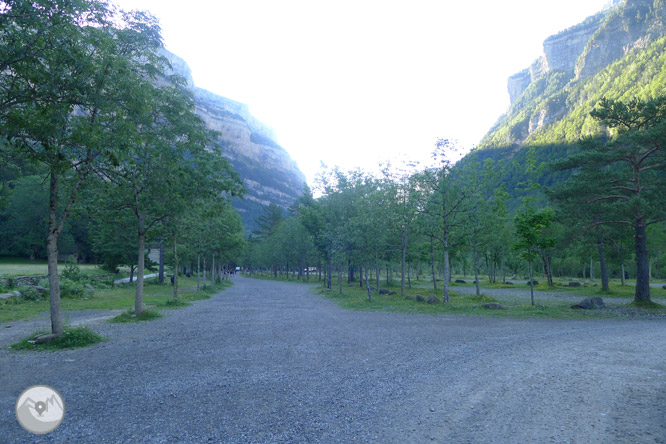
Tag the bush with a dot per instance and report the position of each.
(71, 289)
(31, 294)
(71, 338)
(72, 271)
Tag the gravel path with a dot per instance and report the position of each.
(268, 362)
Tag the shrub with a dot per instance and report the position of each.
(30, 294)
(71, 338)
(72, 271)
(71, 289)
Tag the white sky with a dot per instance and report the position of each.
(351, 83)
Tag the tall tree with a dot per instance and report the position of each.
(625, 171)
(71, 66)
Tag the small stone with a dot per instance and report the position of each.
(460, 281)
(493, 306)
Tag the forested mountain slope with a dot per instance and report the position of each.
(619, 53)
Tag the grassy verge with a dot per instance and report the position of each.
(129, 316)
(12, 267)
(70, 339)
(119, 297)
(354, 298)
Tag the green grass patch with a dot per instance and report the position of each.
(648, 305)
(71, 338)
(12, 266)
(174, 303)
(120, 297)
(129, 316)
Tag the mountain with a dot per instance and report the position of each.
(618, 53)
(270, 175)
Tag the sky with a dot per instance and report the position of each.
(355, 83)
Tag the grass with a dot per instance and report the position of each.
(129, 316)
(12, 267)
(71, 338)
(354, 298)
(120, 297)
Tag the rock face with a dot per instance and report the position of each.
(270, 175)
(587, 48)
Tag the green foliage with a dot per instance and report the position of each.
(72, 271)
(70, 339)
(130, 316)
(73, 289)
(30, 294)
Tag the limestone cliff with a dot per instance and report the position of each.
(545, 92)
(270, 175)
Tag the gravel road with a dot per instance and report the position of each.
(267, 362)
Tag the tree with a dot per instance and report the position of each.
(69, 69)
(530, 233)
(624, 171)
(441, 200)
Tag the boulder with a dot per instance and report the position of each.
(493, 306)
(383, 291)
(664, 287)
(410, 297)
(460, 281)
(432, 299)
(574, 284)
(508, 283)
(420, 298)
(590, 304)
(43, 291)
(11, 294)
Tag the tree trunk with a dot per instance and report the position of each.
(531, 280)
(339, 280)
(432, 265)
(204, 270)
(642, 266)
(212, 270)
(623, 274)
(132, 268)
(447, 268)
(52, 255)
(198, 269)
(138, 299)
(367, 283)
(591, 269)
(476, 270)
(602, 263)
(378, 270)
(409, 275)
(403, 253)
(175, 268)
(160, 276)
(329, 271)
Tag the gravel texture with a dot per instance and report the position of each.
(268, 362)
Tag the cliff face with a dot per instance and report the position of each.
(541, 95)
(617, 54)
(270, 175)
